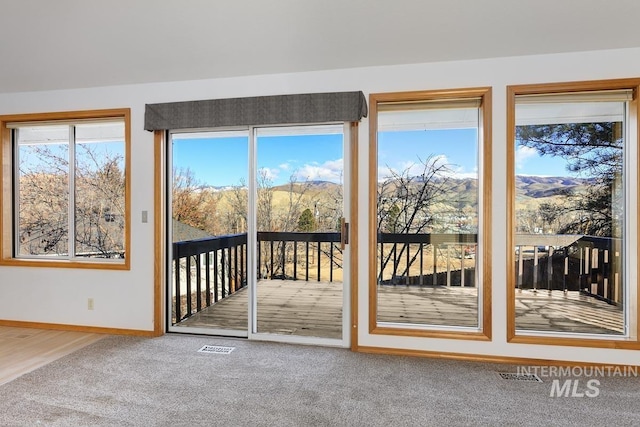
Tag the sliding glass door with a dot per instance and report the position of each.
(257, 228)
(299, 212)
(208, 230)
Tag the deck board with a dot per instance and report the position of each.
(284, 307)
(315, 309)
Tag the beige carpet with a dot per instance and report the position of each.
(129, 381)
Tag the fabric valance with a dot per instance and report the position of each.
(258, 110)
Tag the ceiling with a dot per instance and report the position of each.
(64, 44)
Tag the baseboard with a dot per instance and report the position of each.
(78, 328)
(481, 357)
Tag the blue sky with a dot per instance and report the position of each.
(214, 161)
(455, 148)
(528, 162)
(223, 161)
(301, 158)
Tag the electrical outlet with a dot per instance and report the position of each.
(90, 304)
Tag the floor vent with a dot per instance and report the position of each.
(521, 377)
(216, 349)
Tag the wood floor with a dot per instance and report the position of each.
(315, 309)
(24, 349)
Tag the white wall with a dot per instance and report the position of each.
(124, 299)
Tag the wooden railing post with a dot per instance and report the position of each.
(435, 264)
(448, 265)
(189, 308)
(178, 297)
(566, 270)
(535, 268)
(462, 266)
(549, 268)
(520, 266)
(207, 278)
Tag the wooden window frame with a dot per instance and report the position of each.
(6, 189)
(513, 336)
(484, 329)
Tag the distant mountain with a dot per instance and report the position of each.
(535, 187)
(312, 185)
(548, 186)
(531, 190)
(215, 189)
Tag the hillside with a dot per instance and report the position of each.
(542, 186)
(321, 197)
(466, 189)
(535, 187)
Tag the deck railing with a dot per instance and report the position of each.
(427, 259)
(281, 255)
(209, 270)
(591, 265)
(222, 259)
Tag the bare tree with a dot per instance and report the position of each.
(265, 201)
(100, 202)
(99, 185)
(406, 201)
(272, 216)
(235, 217)
(191, 203)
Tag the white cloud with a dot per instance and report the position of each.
(331, 170)
(460, 173)
(268, 174)
(385, 172)
(412, 168)
(440, 160)
(284, 166)
(417, 168)
(523, 154)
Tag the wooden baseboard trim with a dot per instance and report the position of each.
(481, 358)
(78, 328)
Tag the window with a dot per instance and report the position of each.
(430, 177)
(65, 183)
(573, 208)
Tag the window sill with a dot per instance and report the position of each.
(431, 333)
(89, 265)
(605, 342)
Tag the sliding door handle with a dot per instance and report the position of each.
(344, 233)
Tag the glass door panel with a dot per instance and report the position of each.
(428, 214)
(208, 205)
(299, 207)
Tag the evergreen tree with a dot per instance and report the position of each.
(593, 151)
(306, 222)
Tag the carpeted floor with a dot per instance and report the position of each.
(127, 381)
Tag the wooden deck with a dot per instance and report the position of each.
(284, 307)
(428, 305)
(315, 309)
(570, 312)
